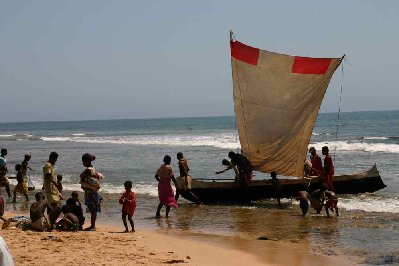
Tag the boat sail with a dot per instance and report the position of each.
(276, 100)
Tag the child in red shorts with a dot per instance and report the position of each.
(128, 201)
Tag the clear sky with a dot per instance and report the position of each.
(78, 60)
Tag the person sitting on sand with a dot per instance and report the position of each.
(69, 222)
(89, 181)
(53, 195)
(75, 207)
(229, 165)
(3, 173)
(37, 209)
(276, 186)
(128, 201)
(22, 186)
(186, 178)
(304, 197)
(164, 176)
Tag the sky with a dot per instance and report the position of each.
(98, 59)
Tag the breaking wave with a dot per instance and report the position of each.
(370, 204)
(224, 141)
(357, 146)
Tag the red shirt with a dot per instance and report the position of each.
(328, 166)
(128, 200)
(316, 165)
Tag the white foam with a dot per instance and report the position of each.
(375, 138)
(79, 134)
(357, 146)
(223, 140)
(370, 204)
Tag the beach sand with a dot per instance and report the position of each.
(108, 246)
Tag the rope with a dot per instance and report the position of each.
(339, 106)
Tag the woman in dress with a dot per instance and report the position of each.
(166, 195)
(90, 183)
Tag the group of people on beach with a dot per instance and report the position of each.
(73, 219)
(325, 195)
(51, 196)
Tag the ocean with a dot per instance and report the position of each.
(133, 149)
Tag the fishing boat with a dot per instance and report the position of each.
(277, 98)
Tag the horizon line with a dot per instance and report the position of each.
(175, 117)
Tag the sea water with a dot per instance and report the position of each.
(134, 149)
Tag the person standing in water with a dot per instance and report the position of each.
(53, 195)
(186, 178)
(328, 169)
(92, 198)
(128, 201)
(22, 186)
(3, 172)
(164, 176)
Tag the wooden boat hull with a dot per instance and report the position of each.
(212, 190)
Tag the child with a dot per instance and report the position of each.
(304, 198)
(22, 186)
(166, 195)
(128, 200)
(59, 183)
(276, 186)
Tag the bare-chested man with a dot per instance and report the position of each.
(37, 209)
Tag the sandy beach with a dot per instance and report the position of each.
(108, 246)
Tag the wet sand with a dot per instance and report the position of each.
(108, 246)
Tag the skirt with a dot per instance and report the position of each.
(166, 194)
(21, 188)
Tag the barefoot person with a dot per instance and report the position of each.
(22, 186)
(89, 180)
(3, 173)
(39, 221)
(229, 166)
(186, 178)
(164, 176)
(25, 166)
(328, 169)
(128, 201)
(75, 207)
(276, 187)
(304, 198)
(315, 160)
(53, 195)
(244, 167)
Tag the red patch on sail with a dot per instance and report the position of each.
(307, 65)
(244, 53)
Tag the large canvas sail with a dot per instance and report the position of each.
(276, 100)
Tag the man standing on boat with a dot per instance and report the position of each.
(328, 169)
(186, 178)
(244, 166)
(315, 160)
